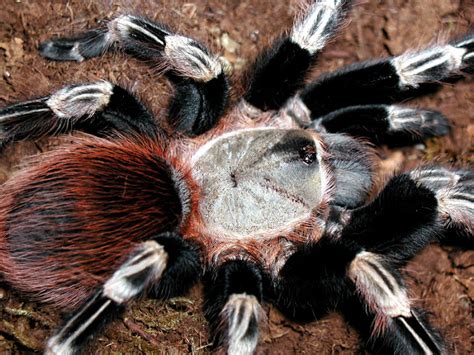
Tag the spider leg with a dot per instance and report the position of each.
(438, 194)
(364, 286)
(358, 99)
(454, 190)
(68, 221)
(99, 108)
(356, 270)
(201, 85)
(392, 124)
(430, 201)
(388, 80)
(395, 325)
(143, 268)
(402, 199)
(233, 296)
(167, 266)
(279, 71)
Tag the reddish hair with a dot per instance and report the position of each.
(68, 220)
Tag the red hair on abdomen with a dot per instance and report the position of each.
(68, 220)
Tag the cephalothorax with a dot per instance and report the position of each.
(269, 199)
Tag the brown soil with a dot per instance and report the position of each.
(441, 277)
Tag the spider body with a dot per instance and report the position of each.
(269, 200)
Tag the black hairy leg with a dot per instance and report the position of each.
(395, 325)
(280, 70)
(183, 269)
(358, 99)
(313, 281)
(376, 227)
(98, 108)
(233, 295)
(454, 191)
(166, 265)
(143, 267)
(201, 84)
(355, 268)
(337, 275)
(430, 201)
(388, 80)
(390, 124)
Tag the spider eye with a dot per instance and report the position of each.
(308, 154)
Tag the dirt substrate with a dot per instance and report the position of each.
(441, 277)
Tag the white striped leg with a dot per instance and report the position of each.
(233, 295)
(468, 59)
(143, 268)
(83, 100)
(381, 289)
(454, 190)
(201, 86)
(417, 122)
(70, 102)
(317, 24)
(182, 54)
(78, 47)
(387, 80)
(54, 114)
(21, 111)
(73, 107)
(436, 63)
(280, 70)
(240, 322)
(145, 39)
(384, 123)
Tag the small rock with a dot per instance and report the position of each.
(13, 49)
(255, 35)
(228, 43)
(240, 63)
(470, 130)
(215, 31)
(189, 10)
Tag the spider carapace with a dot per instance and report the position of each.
(266, 199)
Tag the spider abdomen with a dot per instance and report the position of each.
(67, 222)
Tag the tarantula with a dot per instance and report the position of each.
(270, 200)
